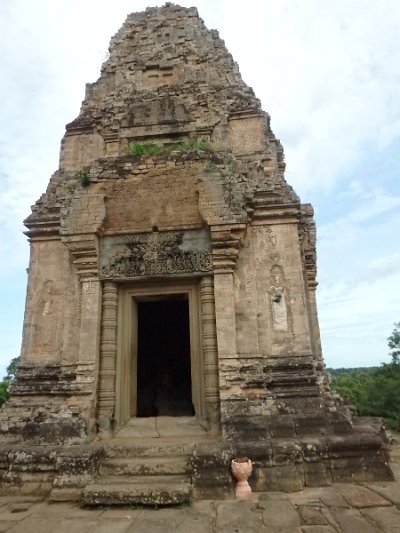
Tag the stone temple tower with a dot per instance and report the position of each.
(171, 296)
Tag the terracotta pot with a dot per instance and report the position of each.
(241, 470)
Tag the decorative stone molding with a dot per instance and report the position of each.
(84, 250)
(291, 377)
(52, 380)
(48, 228)
(308, 235)
(226, 242)
(280, 204)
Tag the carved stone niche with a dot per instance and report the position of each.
(155, 254)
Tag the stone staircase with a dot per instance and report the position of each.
(142, 472)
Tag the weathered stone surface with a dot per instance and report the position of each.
(239, 516)
(171, 188)
(149, 490)
(279, 513)
(105, 525)
(37, 524)
(361, 497)
(317, 474)
(4, 525)
(285, 478)
(350, 520)
(329, 496)
(318, 529)
(62, 510)
(198, 518)
(389, 491)
(207, 516)
(387, 519)
(312, 515)
(210, 471)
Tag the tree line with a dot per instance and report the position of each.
(373, 391)
(8, 379)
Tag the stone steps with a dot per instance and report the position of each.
(142, 472)
(144, 466)
(138, 490)
(149, 448)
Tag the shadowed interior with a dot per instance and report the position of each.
(164, 374)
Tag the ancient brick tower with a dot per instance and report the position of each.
(172, 288)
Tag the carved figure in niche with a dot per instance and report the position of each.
(45, 329)
(277, 298)
(88, 287)
(152, 249)
(271, 237)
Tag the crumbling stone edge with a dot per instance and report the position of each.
(61, 473)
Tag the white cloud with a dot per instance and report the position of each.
(355, 320)
(327, 72)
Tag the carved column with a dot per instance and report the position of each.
(210, 351)
(108, 355)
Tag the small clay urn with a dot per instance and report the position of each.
(241, 470)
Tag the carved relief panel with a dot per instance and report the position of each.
(45, 335)
(154, 254)
(278, 298)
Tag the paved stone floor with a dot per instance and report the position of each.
(368, 508)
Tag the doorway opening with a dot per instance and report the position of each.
(164, 386)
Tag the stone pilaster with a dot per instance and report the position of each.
(308, 244)
(225, 314)
(84, 252)
(225, 248)
(210, 353)
(226, 241)
(90, 308)
(108, 354)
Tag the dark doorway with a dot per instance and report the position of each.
(164, 386)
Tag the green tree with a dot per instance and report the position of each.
(3, 391)
(12, 368)
(7, 381)
(374, 391)
(394, 344)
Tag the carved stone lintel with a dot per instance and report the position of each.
(155, 254)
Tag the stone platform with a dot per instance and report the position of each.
(163, 461)
(340, 508)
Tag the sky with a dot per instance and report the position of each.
(327, 72)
